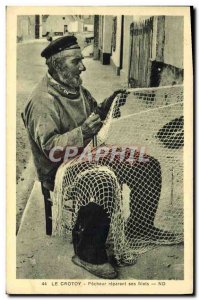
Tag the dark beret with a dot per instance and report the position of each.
(60, 44)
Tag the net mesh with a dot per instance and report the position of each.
(144, 199)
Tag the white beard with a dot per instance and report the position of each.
(68, 79)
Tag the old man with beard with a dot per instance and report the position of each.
(61, 113)
(58, 112)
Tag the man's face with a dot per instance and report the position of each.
(70, 68)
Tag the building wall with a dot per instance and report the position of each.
(40, 26)
(80, 26)
(26, 27)
(101, 31)
(55, 24)
(96, 37)
(89, 27)
(167, 65)
(126, 44)
(174, 41)
(115, 57)
(104, 39)
(107, 34)
(167, 44)
(73, 26)
(166, 47)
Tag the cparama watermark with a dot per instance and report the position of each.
(128, 154)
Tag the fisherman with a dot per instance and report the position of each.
(61, 113)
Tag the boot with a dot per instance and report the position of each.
(89, 240)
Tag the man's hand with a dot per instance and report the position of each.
(103, 108)
(120, 101)
(121, 91)
(91, 126)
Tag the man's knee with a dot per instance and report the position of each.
(98, 184)
(99, 178)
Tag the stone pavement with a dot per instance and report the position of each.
(40, 256)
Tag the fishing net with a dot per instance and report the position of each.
(139, 178)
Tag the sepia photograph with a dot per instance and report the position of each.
(102, 169)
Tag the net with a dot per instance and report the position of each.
(139, 178)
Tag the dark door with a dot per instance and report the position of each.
(37, 24)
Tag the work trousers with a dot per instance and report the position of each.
(92, 225)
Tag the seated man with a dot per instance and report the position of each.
(59, 113)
